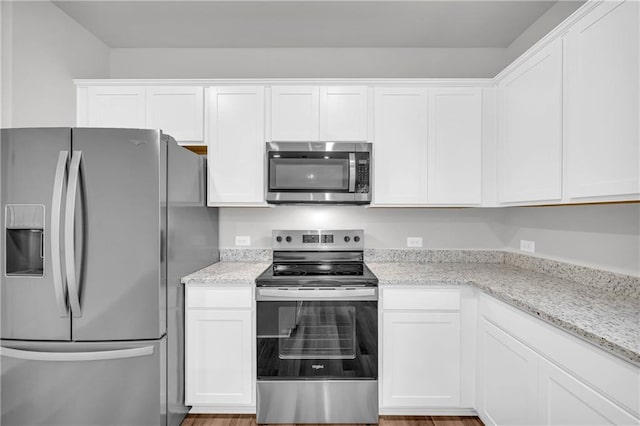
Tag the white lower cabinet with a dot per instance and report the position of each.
(565, 400)
(421, 351)
(220, 353)
(507, 372)
(530, 373)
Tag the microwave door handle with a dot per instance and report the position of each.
(352, 172)
(69, 236)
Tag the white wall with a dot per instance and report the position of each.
(603, 236)
(47, 49)
(303, 63)
(384, 227)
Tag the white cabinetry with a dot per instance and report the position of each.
(421, 349)
(530, 129)
(344, 113)
(400, 149)
(532, 373)
(236, 145)
(176, 110)
(113, 106)
(312, 113)
(507, 372)
(603, 86)
(220, 350)
(454, 153)
(565, 400)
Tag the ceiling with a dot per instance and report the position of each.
(269, 24)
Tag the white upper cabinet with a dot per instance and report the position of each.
(530, 129)
(454, 153)
(602, 77)
(313, 113)
(344, 113)
(112, 106)
(236, 145)
(295, 113)
(178, 111)
(400, 148)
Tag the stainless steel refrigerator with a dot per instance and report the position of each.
(98, 227)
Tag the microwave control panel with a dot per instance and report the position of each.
(362, 172)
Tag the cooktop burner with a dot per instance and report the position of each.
(317, 269)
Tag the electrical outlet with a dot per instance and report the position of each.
(414, 241)
(526, 245)
(243, 240)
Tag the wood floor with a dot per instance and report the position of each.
(250, 420)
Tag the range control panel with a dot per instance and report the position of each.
(318, 239)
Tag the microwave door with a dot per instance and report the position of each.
(311, 175)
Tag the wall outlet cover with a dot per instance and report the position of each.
(243, 240)
(526, 245)
(414, 241)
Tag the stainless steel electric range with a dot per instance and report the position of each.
(317, 330)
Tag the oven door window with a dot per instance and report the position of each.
(317, 339)
(314, 172)
(317, 332)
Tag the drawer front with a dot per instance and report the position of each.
(219, 297)
(423, 299)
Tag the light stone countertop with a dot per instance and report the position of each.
(598, 316)
(227, 273)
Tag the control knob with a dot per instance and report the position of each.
(288, 239)
(347, 239)
(279, 239)
(356, 239)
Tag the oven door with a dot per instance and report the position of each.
(316, 338)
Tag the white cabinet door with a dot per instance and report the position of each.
(219, 361)
(236, 145)
(507, 378)
(295, 112)
(178, 111)
(530, 130)
(421, 359)
(564, 400)
(603, 84)
(112, 106)
(454, 172)
(343, 113)
(400, 148)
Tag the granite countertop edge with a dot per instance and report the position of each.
(245, 273)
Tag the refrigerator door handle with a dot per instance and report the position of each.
(69, 234)
(56, 212)
(76, 356)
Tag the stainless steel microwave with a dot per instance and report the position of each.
(318, 173)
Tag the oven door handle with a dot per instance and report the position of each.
(313, 293)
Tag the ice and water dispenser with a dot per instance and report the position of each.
(24, 236)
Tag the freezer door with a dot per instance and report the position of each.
(115, 257)
(83, 383)
(33, 165)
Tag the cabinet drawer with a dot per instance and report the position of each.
(219, 297)
(423, 299)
